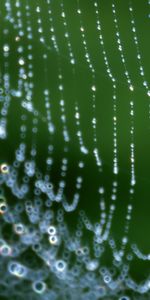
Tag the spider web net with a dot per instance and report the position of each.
(74, 123)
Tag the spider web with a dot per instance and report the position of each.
(75, 110)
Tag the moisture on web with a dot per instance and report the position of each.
(74, 149)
